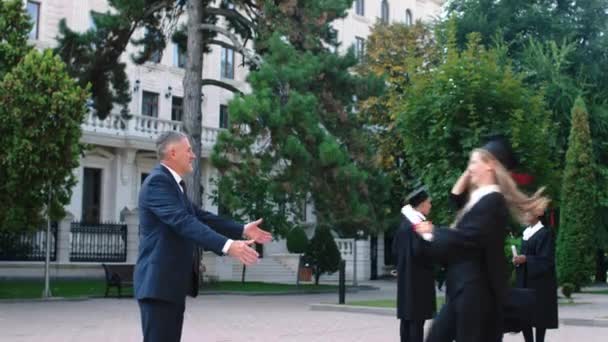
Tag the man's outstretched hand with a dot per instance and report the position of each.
(242, 251)
(253, 231)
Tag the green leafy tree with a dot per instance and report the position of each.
(393, 52)
(297, 133)
(14, 26)
(575, 252)
(560, 46)
(449, 110)
(297, 241)
(323, 253)
(41, 109)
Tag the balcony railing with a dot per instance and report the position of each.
(141, 126)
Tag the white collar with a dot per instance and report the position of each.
(412, 214)
(175, 175)
(530, 231)
(480, 192)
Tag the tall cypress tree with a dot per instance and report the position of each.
(575, 252)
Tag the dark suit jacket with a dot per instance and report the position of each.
(415, 280)
(474, 253)
(170, 230)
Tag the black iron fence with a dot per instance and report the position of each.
(27, 246)
(98, 242)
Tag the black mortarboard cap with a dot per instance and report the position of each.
(417, 196)
(499, 146)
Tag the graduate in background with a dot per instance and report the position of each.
(535, 269)
(415, 281)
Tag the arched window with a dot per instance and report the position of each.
(384, 12)
(409, 18)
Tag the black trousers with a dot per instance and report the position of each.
(411, 330)
(528, 337)
(467, 317)
(161, 321)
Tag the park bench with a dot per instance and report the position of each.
(119, 276)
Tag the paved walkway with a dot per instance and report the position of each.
(224, 318)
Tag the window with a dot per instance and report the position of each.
(33, 10)
(409, 18)
(335, 40)
(177, 108)
(156, 54)
(360, 7)
(91, 195)
(384, 12)
(180, 58)
(359, 48)
(155, 57)
(227, 63)
(149, 104)
(223, 116)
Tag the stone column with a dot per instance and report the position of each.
(127, 186)
(63, 239)
(132, 221)
(363, 259)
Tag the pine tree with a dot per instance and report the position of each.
(296, 137)
(575, 252)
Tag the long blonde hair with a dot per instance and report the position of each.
(520, 205)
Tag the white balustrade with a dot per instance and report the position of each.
(110, 124)
(346, 247)
(209, 135)
(142, 126)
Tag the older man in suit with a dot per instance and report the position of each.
(171, 230)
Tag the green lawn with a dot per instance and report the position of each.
(21, 289)
(603, 292)
(387, 303)
(17, 289)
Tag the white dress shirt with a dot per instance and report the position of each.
(178, 179)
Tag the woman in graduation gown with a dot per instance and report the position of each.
(535, 269)
(473, 248)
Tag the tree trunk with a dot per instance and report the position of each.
(192, 94)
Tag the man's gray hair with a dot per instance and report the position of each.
(166, 139)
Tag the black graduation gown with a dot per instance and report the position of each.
(538, 273)
(476, 279)
(415, 279)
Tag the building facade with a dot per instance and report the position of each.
(122, 152)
